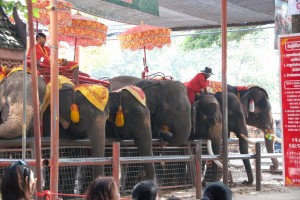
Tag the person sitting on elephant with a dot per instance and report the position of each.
(198, 84)
(43, 56)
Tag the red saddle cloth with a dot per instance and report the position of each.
(44, 70)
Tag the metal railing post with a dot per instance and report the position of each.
(258, 166)
(116, 163)
(198, 170)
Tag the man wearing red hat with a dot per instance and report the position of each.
(198, 84)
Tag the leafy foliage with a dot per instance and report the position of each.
(21, 7)
(209, 38)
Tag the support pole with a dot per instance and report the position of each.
(198, 170)
(224, 93)
(35, 100)
(116, 163)
(258, 166)
(54, 102)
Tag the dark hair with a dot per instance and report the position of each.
(145, 190)
(277, 122)
(14, 184)
(102, 188)
(217, 191)
(39, 35)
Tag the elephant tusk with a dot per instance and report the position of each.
(217, 162)
(246, 138)
(235, 165)
(277, 139)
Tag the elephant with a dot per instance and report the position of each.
(137, 124)
(261, 117)
(208, 126)
(168, 104)
(91, 124)
(237, 125)
(99, 125)
(11, 104)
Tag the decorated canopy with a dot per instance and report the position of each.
(63, 8)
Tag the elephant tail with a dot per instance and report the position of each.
(12, 120)
(193, 116)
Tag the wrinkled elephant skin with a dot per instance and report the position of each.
(11, 105)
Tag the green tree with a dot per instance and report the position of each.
(212, 37)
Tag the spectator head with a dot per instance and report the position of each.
(103, 188)
(217, 191)
(145, 190)
(18, 182)
(277, 122)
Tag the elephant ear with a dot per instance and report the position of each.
(245, 104)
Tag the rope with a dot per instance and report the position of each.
(47, 193)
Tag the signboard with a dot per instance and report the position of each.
(289, 47)
(147, 6)
(294, 7)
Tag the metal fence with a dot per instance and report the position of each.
(175, 166)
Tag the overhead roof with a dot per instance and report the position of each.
(185, 14)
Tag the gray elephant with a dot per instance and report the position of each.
(137, 125)
(261, 117)
(208, 126)
(237, 125)
(168, 104)
(91, 123)
(11, 105)
(97, 124)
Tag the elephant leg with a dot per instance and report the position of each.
(144, 144)
(97, 137)
(243, 145)
(270, 149)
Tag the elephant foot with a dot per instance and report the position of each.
(273, 169)
(248, 183)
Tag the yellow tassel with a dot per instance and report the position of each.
(120, 117)
(75, 113)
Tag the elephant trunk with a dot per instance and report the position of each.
(178, 133)
(12, 123)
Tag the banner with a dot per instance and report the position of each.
(294, 7)
(289, 48)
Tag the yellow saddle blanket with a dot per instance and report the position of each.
(96, 94)
(61, 80)
(137, 92)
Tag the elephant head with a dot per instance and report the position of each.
(11, 105)
(261, 117)
(208, 126)
(170, 109)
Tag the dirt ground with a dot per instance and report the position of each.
(272, 189)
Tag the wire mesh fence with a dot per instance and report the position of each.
(75, 179)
